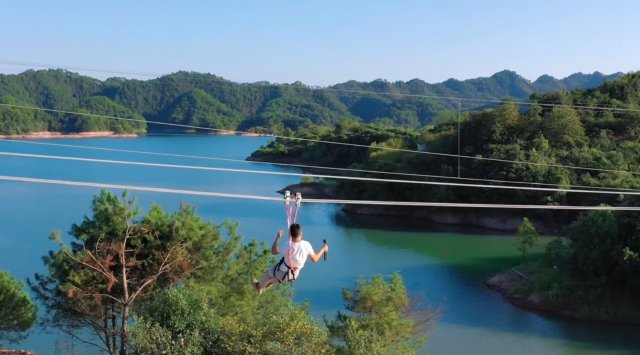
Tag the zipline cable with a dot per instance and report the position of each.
(322, 141)
(306, 200)
(337, 177)
(307, 166)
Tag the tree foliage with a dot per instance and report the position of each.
(593, 271)
(117, 258)
(160, 283)
(604, 249)
(189, 320)
(17, 312)
(378, 319)
(526, 237)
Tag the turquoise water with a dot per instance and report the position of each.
(446, 268)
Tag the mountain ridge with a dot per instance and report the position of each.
(521, 87)
(211, 101)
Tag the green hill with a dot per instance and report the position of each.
(210, 101)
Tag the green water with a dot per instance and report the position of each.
(442, 267)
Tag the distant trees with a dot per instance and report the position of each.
(197, 108)
(526, 237)
(546, 139)
(593, 271)
(17, 312)
(605, 248)
(601, 249)
(210, 101)
(563, 128)
(20, 120)
(505, 124)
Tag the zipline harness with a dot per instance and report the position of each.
(288, 207)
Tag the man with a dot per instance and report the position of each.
(293, 259)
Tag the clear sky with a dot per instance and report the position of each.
(325, 41)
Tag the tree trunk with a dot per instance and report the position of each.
(114, 327)
(123, 330)
(105, 323)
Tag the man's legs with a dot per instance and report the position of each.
(268, 279)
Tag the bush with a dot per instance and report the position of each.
(17, 312)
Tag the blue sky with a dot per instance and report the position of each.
(324, 42)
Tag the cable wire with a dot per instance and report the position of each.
(307, 200)
(322, 141)
(304, 166)
(337, 177)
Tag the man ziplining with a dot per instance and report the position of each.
(294, 257)
(292, 261)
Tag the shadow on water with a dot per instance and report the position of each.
(458, 261)
(397, 223)
(474, 253)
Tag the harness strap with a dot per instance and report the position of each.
(298, 204)
(288, 206)
(289, 271)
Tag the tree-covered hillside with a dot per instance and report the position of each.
(210, 101)
(550, 138)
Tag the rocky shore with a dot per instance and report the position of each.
(15, 352)
(507, 284)
(613, 307)
(310, 190)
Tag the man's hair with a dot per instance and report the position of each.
(295, 230)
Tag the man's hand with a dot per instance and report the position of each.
(280, 234)
(316, 257)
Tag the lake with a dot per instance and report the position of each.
(445, 267)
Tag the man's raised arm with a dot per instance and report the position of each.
(274, 246)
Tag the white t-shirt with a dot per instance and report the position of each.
(299, 252)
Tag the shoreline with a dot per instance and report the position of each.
(311, 190)
(507, 284)
(79, 135)
(111, 134)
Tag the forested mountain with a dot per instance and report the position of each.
(500, 85)
(209, 101)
